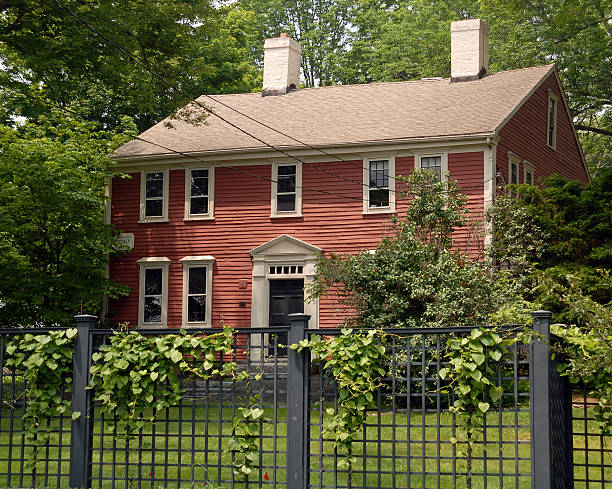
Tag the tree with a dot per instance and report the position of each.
(320, 26)
(48, 54)
(561, 230)
(413, 278)
(53, 240)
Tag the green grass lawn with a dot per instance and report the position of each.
(393, 453)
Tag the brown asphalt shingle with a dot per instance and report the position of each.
(349, 114)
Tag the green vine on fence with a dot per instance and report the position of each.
(472, 374)
(136, 374)
(46, 363)
(243, 444)
(356, 362)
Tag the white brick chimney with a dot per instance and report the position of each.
(469, 50)
(282, 56)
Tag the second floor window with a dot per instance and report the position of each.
(286, 198)
(432, 163)
(285, 191)
(379, 183)
(154, 194)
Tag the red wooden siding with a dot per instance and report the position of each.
(468, 170)
(526, 135)
(242, 222)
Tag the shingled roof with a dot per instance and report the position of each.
(346, 114)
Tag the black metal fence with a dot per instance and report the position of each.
(537, 435)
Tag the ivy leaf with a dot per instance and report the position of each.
(495, 393)
(443, 373)
(176, 356)
(483, 406)
(76, 415)
(71, 333)
(495, 355)
(476, 375)
(479, 358)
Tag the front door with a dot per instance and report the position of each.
(286, 297)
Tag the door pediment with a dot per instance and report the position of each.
(285, 245)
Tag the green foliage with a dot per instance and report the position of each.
(413, 278)
(244, 442)
(356, 362)
(46, 363)
(133, 371)
(53, 240)
(546, 234)
(48, 55)
(586, 349)
(473, 376)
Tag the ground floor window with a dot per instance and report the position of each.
(197, 290)
(153, 292)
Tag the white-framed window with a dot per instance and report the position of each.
(197, 290)
(528, 173)
(551, 133)
(199, 193)
(154, 187)
(436, 162)
(286, 195)
(378, 184)
(153, 292)
(513, 170)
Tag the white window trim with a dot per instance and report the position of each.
(298, 190)
(366, 185)
(443, 162)
(514, 158)
(210, 215)
(143, 188)
(188, 262)
(144, 264)
(552, 96)
(528, 168)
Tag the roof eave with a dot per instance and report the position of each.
(262, 152)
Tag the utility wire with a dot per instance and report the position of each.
(215, 163)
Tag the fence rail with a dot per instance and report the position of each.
(539, 435)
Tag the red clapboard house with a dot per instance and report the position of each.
(225, 219)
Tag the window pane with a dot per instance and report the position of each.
(529, 178)
(286, 184)
(551, 121)
(379, 198)
(286, 170)
(199, 183)
(153, 208)
(196, 308)
(199, 205)
(432, 163)
(155, 184)
(379, 174)
(153, 281)
(285, 202)
(152, 310)
(197, 280)
(514, 175)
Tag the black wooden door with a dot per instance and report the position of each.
(286, 297)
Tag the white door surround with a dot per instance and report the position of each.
(284, 257)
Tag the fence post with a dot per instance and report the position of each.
(540, 402)
(297, 405)
(80, 441)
